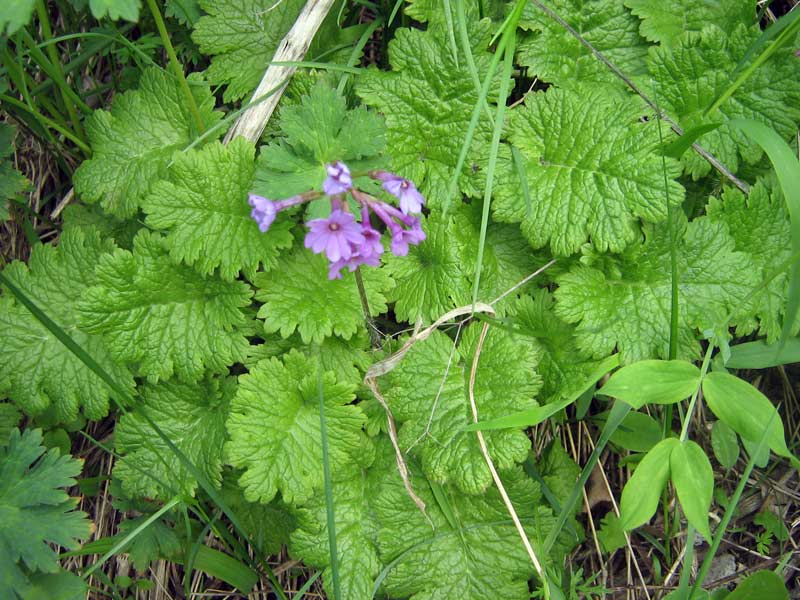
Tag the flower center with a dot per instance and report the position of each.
(333, 226)
(404, 184)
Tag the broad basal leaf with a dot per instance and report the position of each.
(477, 556)
(555, 55)
(427, 99)
(427, 394)
(563, 366)
(356, 544)
(115, 9)
(690, 75)
(666, 22)
(242, 37)
(430, 280)
(36, 369)
(760, 228)
(34, 511)
(298, 295)
(592, 169)
(296, 163)
(204, 206)
(629, 308)
(507, 256)
(133, 143)
(164, 318)
(274, 428)
(192, 415)
(157, 540)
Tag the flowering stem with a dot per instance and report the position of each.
(374, 338)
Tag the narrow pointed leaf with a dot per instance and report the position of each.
(653, 381)
(693, 479)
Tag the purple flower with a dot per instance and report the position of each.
(411, 200)
(401, 238)
(337, 235)
(338, 180)
(264, 211)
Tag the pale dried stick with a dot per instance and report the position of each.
(292, 48)
(387, 365)
(495, 476)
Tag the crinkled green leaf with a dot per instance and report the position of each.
(192, 415)
(187, 12)
(299, 296)
(564, 367)
(592, 168)
(157, 540)
(427, 100)
(429, 281)
(275, 433)
(115, 9)
(427, 395)
(133, 143)
(242, 38)
(611, 533)
(356, 545)
(36, 369)
(482, 557)
(507, 256)
(34, 510)
(553, 54)
(666, 22)
(267, 525)
(204, 206)
(82, 216)
(164, 318)
(690, 75)
(9, 418)
(629, 307)
(760, 228)
(296, 163)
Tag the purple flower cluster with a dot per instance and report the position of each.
(345, 241)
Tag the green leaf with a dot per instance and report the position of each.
(133, 143)
(56, 586)
(745, 410)
(293, 296)
(554, 55)
(430, 280)
(653, 382)
(427, 99)
(426, 393)
(184, 322)
(486, 558)
(696, 69)
(115, 9)
(638, 432)
(642, 492)
(666, 23)
(157, 540)
(12, 182)
(693, 479)
(36, 370)
(724, 444)
(14, 15)
(242, 39)
(10, 417)
(84, 216)
(759, 225)
(763, 585)
(772, 524)
(357, 550)
(185, 11)
(204, 206)
(611, 534)
(507, 256)
(31, 502)
(193, 416)
(593, 168)
(274, 428)
(759, 355)
(627, 306)
(564, 367)
(295, 164)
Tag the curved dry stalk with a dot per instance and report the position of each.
(495, 476)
